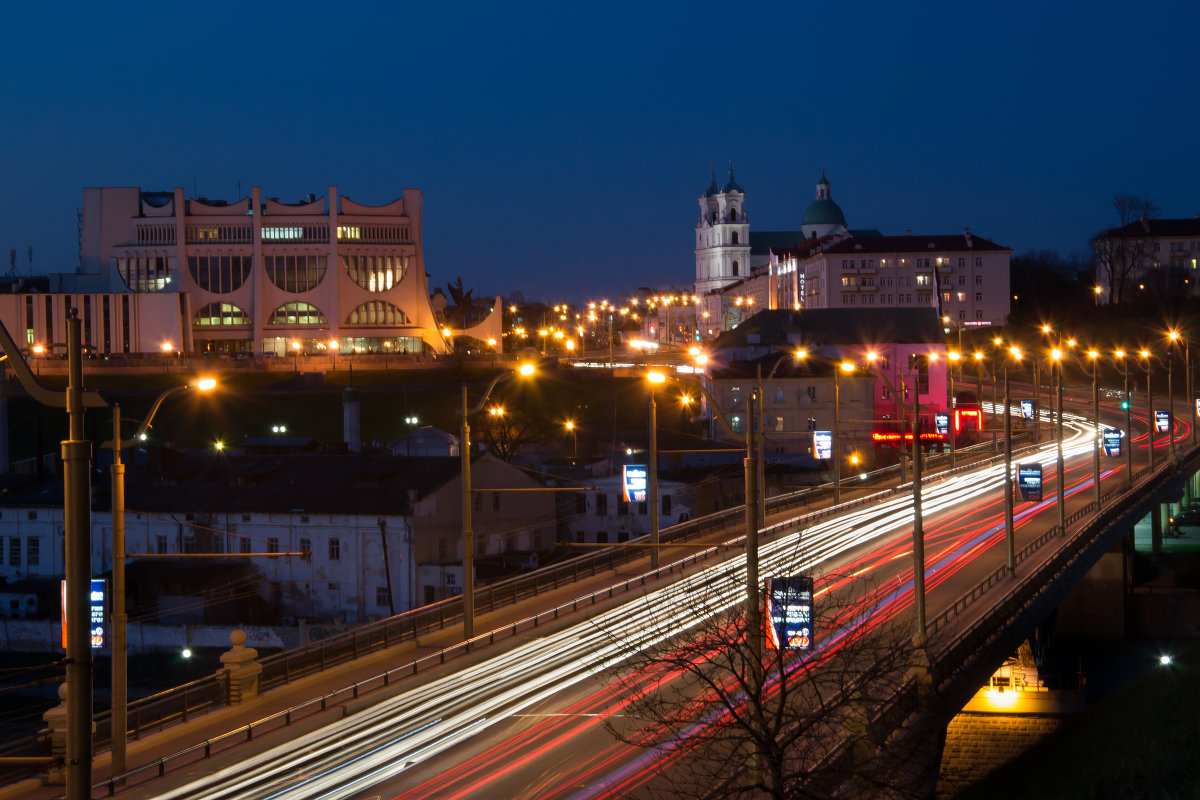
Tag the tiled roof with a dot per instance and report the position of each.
(914, 244)
(1140, 229)
(835, 326)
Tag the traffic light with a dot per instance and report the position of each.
(1125, 404)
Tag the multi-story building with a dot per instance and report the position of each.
(1148, 259)
(826, 264)
(601, 514)
(371, 524)
(965, 278)
(898, 355)
(256, 276)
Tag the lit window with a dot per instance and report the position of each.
(349, 232)
(282, 232)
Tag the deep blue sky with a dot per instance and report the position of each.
(561, 151)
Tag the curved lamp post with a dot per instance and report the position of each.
(1094, 356)
(118, 618)
(468, 535)
(1010, 553)
(1152, 424)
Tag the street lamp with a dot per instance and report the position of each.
(1125, 404)
(1056, 356)
(655, 378)
(1152, 424)
(118, 618)
(848, 368)
(1010, 552)
(468, 535)
(953, 357)
(570, 426)
(1173, 336)
(1094, 356)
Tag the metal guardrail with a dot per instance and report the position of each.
(180, 703)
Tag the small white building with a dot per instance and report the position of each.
(600, 513)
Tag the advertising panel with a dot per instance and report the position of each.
(789, 613)
(1027, 409)
(823, 445)
(1029, 481)
(97, 612)
(942, 422)
(634, 482)
(1162, 421)
(1112, 441)
(969, 417)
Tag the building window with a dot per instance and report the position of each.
(246, 545)
(666, 504)
(778, 424)
(189, 543)
(642, 509)
(306, 548)
(979, 297)
(375, 273)
(296, 313)
(601, 504)
(160, 544)
(30, 515)
(14, 551)
(495, 501)
(216, 315)
(335, 549)
(735, 237)
(812, 392)
(979, 262)
(377, 312)
(220, 273)
(736, 423)
(272, 544)
(382, 597)
(581, 503)
(979, 280)
(978, 315)
(622, 506)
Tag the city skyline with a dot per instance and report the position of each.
(560, 153)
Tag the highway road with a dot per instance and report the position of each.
(531, 722)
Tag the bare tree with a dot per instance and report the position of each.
(743, 721)
(1120, 252)
(506, 430)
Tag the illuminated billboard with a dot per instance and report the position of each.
(823, 445)
(1112, 441)
(1027, 409)
(97, 612)
(789, 613)
(942, 422)
(1029, 481)
(1162, 421)
(633, 483)
(970, 417)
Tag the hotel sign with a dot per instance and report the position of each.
(1112, 441)
(97, 612)
(823, 445)
(1029, 481)
(1162, 421)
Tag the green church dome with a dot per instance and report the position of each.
(824, 212)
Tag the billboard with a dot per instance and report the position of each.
(972, 417)
(1027, 409)
(1029, 481)
(97, 612)
(789, 613)
(823, 445)
(942, 423)
(1162, 421)
(633, 483)
(1112, 441)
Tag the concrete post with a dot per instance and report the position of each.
(56, 724)
(1156, 529)
(240, 663)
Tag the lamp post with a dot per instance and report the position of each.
(1172, 336)
(1094, 356)
(1152, 424)
(570, 426)
(1010, 552)
(998, 342)
(118, 618)
(1056, 356)
(952, 358)
(656, 378)
(846, 367)
(468, 534)
(1125, 404)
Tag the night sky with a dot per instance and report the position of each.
(561, 151)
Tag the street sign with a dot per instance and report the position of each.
(823, 445)
(1112, 442)
(1162, 421)
(633, 482)
(942, 421)
(1027, 409)
(1029, 481)
(97, 613)
(789, 613)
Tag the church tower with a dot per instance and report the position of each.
(722, 235)
(823, 216)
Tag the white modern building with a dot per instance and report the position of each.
(159, 271)
(601, 514)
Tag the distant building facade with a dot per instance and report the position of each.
(826, 264)
(1148, 259)
(160, 272)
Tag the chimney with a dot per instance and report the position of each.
(351, 426)
(908, 232)
(967, 236)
